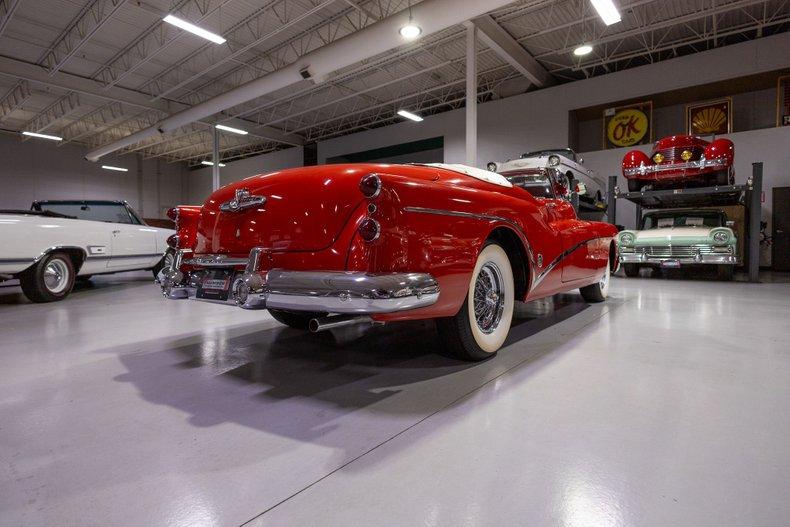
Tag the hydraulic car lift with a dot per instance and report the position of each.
(749, 195)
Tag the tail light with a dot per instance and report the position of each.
(370, 186)
(369, 229)
(173, 213)
(172, 241)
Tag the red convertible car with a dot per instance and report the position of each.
(326, 246)
(681, 161)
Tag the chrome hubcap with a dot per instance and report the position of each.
(489, 298)
(56, 276)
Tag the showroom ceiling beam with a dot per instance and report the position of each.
(495, 37)
(434, 16)
(330, 29)
(24, 70)
(14, 99)
(57, 110)
(7, 8)
(89, 20)
(155, 39)
(189, 69)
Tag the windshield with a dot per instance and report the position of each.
(94, 211)
(536, 182)
(697, 218)
(567, 152)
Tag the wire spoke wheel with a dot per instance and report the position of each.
(489, 298)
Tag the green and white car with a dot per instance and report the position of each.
(679, 238)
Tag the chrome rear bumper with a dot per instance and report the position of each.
(312, 291)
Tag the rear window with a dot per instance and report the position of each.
(106, 212)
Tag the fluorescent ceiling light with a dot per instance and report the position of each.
(117, 169)
(43, 136)
(607, 11)
(209, 163)
(409, 115)
(192, 28)
(230, 129)
(410, 31)
(584, 49)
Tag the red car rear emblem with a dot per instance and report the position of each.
(243, 200)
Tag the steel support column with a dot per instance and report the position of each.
(471, 95)
(611, 201)
(755, 216)
(215, 160)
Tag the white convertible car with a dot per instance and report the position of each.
(563, 160)
(56, 242)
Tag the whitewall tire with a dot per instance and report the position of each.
(598, 291)
(483, 322)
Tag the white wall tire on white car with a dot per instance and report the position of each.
(482, 324)
(598, 291)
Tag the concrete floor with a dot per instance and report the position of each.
(667, 405)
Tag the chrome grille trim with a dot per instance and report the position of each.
(675, 250)
(672, 154)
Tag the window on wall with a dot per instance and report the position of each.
(751, 104)
(422, 151)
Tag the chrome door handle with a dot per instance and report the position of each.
(115, 232)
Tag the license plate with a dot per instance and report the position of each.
(215, 285)
(672, 264)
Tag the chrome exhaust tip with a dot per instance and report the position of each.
(336, 321)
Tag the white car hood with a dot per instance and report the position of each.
(529, 162)
(670, 233)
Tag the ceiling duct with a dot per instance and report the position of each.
(431, 15)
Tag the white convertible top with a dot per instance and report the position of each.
(477, 173)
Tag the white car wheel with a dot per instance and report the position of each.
(483, 322)
(598, 291)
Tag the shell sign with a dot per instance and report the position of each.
(627, 126)
(709, 118)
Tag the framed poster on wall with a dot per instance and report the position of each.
(783, 101)
(628, 125)
(709, 117)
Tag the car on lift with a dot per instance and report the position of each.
(564, 161)
(326, 246)
(56, 243)
(681, 161)
(674, 238)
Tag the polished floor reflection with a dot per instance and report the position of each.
(664, 406)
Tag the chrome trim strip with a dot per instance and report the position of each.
(243, 200)
(216, 260)
(564, 254)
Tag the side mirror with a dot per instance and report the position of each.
(730, 223)
(581, 160)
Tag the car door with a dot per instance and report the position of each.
(133, 244)
(578, 261)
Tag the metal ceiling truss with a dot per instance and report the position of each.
(155, 39)
(14, 99)
(57, 110)
(7, 8)
(82, 28)
(426, 75)
(327, 31)
(268, 22)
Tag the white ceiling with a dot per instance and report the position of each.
(147, 69)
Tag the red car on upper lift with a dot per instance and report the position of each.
(326, 246)
(681, 161)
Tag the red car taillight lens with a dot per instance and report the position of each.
(172, 241)
(369, 229)
(370, 186)
(173, 213)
